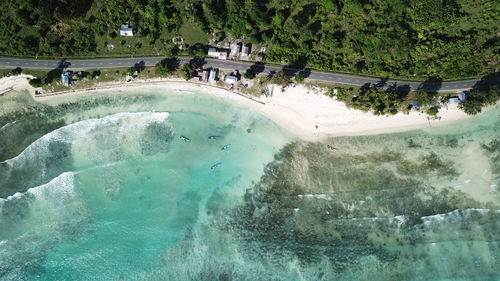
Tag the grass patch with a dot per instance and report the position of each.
(192, 34)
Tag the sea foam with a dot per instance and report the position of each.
(58, 186)
(94, 141)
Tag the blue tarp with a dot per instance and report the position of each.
(463, 96)
(65, 78)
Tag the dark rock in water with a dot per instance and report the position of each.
(249, 130)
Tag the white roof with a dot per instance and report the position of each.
(125, 27)
(213, 52)
(213, 73)
(231, 79)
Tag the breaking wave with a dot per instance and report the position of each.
(54, 211)
(85, 144)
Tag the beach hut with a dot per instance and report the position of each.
(231, 79)
(463, 96)
(453, 100)
(212, 76)
(65, 78)
(126, 30)
(204, 76)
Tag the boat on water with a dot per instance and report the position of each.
(216, 165)
(213, 137)
(227, 146)
(186, 139)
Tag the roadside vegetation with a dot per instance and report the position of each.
(377, 100)
(399, 38)
(391, 101)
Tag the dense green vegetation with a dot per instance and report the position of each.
(390, 101)
(405, 38)
(380, 101)
(481, 97)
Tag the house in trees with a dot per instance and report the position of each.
(126, 30)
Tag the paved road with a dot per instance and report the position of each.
(242, 66)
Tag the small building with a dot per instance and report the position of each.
(235, 48)
(212, 52)
(231, 79)
(463, 96)
(245, 52)
(212, 76)
(453, 100)
(223, 55)
(126, 30)
(204, 75)
(65, 78)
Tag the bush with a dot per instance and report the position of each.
(249, 74)
(433, 111)
(166, 67)
(299, 78)
(171, 52)
(280, 78)
(17, 71)
(186, 72)
(477, 98)
(36, 82)
(424, 98)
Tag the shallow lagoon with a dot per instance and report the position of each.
(108, 191)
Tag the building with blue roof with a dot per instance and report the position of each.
(463, 96)
(65, 79)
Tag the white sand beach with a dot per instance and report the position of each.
(306, 112)
(15, 83)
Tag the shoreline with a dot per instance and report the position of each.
(304, 111)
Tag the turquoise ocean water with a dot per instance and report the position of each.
(109, 191)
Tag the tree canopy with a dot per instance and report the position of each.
(400, 38)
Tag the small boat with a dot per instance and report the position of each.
(213, 137)
(186, 139)
(216, 165)
(331, 147)
(227, 146)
